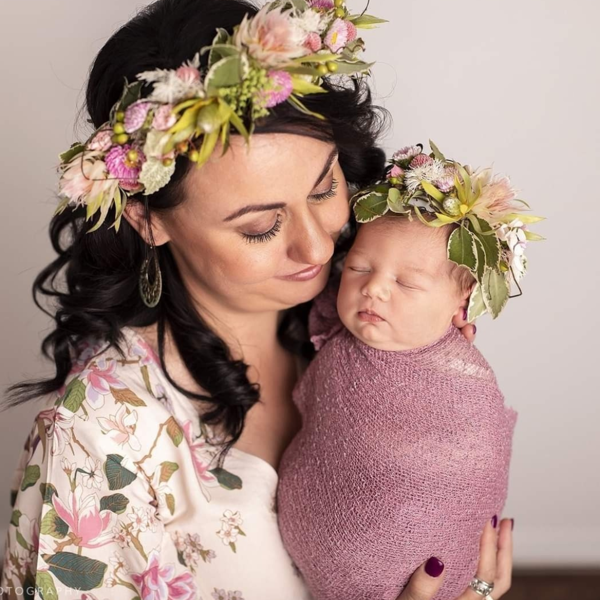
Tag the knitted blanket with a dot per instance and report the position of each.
(402, 456)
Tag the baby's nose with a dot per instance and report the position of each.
(377, 289)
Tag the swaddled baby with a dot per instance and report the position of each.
(405, 445)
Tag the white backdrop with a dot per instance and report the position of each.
(507, 82)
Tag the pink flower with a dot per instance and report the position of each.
(497, 199)
(406, 153)
(159, 583)
(135, 116)
(338, 35)
(124, 170)
(164, 118)
(100, 378)
(313, 42)
(396, 172)
(352, 31)
(281, 88)
(199, 456)
(92, 526)
(102, 141)
(272, 37)
(421, 160)
(121, 427)
(80, 177)
(322, 4)
(188, 73)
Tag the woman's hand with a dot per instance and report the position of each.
(495, 565)
(468, 330)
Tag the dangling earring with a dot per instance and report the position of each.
(150, 276)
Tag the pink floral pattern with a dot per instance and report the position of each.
(118, 495)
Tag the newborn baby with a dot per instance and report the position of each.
(406, 441)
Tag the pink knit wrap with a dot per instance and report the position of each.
(402, 456)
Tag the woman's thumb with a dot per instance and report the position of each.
(425, 582)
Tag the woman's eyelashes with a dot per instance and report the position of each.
(271, 233)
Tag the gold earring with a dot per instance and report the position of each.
(150, 291)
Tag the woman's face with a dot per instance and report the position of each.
(254, 217)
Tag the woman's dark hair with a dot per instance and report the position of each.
(99, 272)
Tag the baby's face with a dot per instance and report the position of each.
(397, 291)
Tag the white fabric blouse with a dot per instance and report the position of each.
(117, 496)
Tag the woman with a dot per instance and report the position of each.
(151, 471)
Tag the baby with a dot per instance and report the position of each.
(406, 441)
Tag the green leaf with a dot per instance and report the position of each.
(495, 291)
(316, 58)
(395, 201)
(14, 519)
(170, 499)
(490, 243)
(481, 258)
(436, 152)
(166, 470)
(77, 572)
(131, 94)
(301, 5)
(220, 51)
(117, 476)
(146, 378)
(370, 207)
(210, 118)
(47, 490)
(296, 102)
(209, 143)
(45, 586)
(227, 480)
(174, 431)
(477, 306)
(432, 191)
(21, 541)
(533, 237)
(116, 503)
(303, 87)
(366, 21)
(53, 525)
(74, 395)
(349, 68)
(72, 152)
(227, 72)
(30, 477)
(462, 249)
(126, 396)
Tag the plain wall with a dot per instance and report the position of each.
(514, 83)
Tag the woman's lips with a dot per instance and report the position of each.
(305, 275)
(369, 316)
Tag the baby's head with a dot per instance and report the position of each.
(399, 269)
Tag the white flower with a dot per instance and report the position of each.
(231, 519)
(310, 21)
(170, 87)
(142, 519)
(154, 175)
(121, 536)
(93, 476)
(428, 172)
(67, 466)
(228, 534)
(513, 235)
(406, 153)
(118, 563)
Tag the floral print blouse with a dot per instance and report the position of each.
(117, 496)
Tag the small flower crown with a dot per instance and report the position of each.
(281, 54)
(492, 234)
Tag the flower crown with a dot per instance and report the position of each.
(281, 54)
(492, 234)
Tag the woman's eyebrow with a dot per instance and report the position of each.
(263, 207)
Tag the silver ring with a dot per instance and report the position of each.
(483, 588)
(488, 597)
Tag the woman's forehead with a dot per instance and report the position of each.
(272, 168)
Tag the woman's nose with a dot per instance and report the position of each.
(377, 288)
(311, 244)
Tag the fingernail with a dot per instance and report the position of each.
(512, 524)
(495, 521)
(465, 314)
(434, 567)
(474, 329)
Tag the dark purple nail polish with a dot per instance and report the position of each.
(494, 521)
(434, 567)
(474, 329)
(512, 524)
(465, 314)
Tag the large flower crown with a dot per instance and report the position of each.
(279, 55)
(490, 234)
